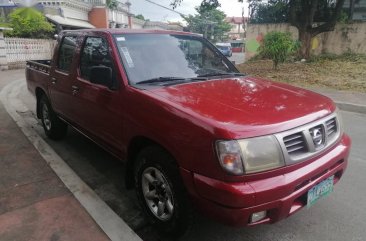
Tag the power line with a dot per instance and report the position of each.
(162, 6)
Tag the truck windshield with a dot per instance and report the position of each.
(160, 57)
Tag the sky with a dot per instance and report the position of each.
(156, 13)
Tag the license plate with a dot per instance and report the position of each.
(320, 190)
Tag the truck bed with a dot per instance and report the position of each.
(38, 74)
(40, 65)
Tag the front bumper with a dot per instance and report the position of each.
(281, 196)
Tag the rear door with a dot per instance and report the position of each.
(62, 77)
(98, 108)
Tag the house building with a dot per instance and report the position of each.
(74, 14)
(6, 7)
(146, 24)
(79, 14)
(238, 26)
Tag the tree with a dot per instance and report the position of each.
(310, 17)
(352, 8)
(209, 21)
(277, 46)
(140, 16)
(271, 12)
(303, 16)
(112, 4)
(29, 23)
(205, 3)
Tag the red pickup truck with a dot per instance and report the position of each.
(192, 130)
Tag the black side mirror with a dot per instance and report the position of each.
(101, 75)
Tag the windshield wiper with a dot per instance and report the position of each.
(220, 74)
(160, 79)
(166, 79)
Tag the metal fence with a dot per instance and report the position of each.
(19, 50)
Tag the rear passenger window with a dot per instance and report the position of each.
(66, 53)
(95, 53)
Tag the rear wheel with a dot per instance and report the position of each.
(54, 127)
(161, 192)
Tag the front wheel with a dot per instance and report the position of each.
(54, 127)
(161, 193)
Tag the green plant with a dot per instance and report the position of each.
(343, 17)
(29, 23)
(112, 4)
(278, 46)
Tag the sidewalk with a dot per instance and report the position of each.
(345, 100)
(41, 197)
(34, 203)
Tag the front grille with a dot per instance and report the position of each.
(295, 144)
(306, 141)
(332, 128)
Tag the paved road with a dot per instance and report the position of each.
(341, 216)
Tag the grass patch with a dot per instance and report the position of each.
(341, 72)
(347, 57)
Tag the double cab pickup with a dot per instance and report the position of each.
(194, 132)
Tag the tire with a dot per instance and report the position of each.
(159, 186)
(54, 128)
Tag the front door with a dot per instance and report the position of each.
(97, 106)
(62, 77)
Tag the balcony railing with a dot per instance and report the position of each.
(96, 2)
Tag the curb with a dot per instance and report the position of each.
(351, 107)
(111, 224)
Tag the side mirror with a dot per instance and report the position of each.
(101, 75)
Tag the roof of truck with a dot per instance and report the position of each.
(127, 31)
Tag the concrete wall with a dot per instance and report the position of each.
(19, 50)
(345, 38)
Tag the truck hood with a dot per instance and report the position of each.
(246, 106)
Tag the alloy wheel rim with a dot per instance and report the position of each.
(46, 117)
(157, 193)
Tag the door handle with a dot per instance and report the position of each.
(75, 89)
(53, 80)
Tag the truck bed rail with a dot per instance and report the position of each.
(40, 65)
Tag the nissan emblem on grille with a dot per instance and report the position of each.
(304, 142)
(318, 137)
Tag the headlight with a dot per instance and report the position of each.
(261, 154)
(250, 155)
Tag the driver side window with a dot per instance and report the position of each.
(95, 53)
